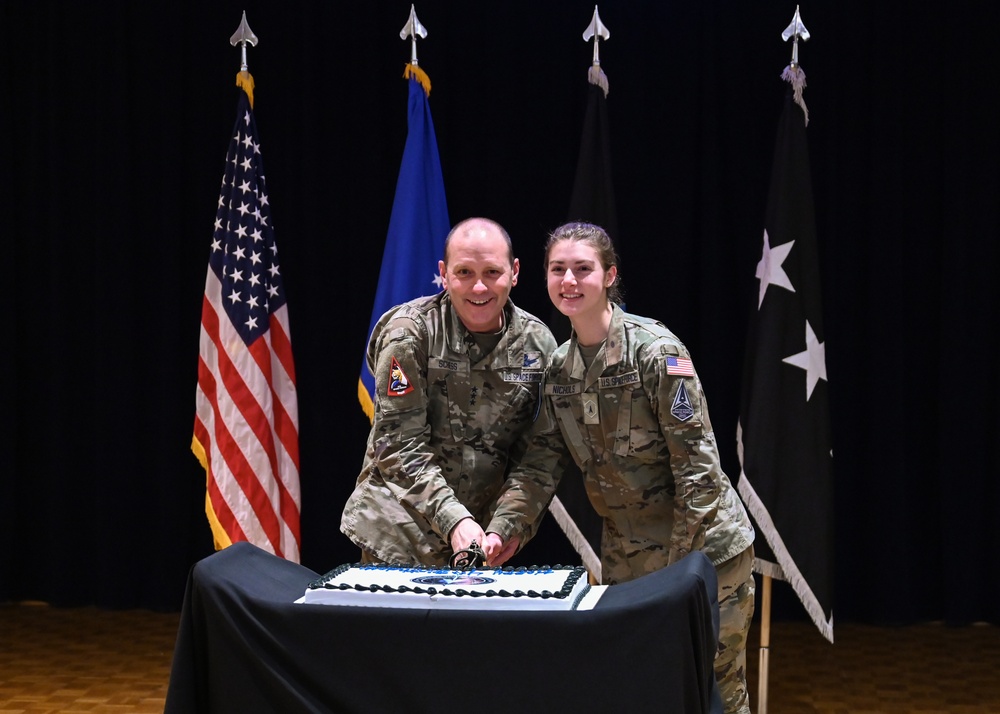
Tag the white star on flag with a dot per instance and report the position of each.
(813, 360)
(769, 269)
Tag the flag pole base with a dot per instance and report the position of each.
(765, 643)
(762, 685)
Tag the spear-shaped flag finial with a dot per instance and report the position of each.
(597, 30)
(413, 29)
(793, 73)
(242, 36)
(795, 29)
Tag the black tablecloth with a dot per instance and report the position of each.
(244, 645)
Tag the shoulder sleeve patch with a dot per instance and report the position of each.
(681, 407)
(398, 384)
(680, 366)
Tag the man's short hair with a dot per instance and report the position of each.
(461, 224)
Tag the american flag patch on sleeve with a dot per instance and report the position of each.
(681, 366)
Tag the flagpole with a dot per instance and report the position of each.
(418, 222)
(597, 30)
(246, 403)
(793, 75)
(242, 36)
(591, 199)
(765, 643)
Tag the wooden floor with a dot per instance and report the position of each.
(88, 660)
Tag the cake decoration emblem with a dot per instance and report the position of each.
(453, 579)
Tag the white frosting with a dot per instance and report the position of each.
(488, 589)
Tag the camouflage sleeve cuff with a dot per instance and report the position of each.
(503, 528)
(449, 517)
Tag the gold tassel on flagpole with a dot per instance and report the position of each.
(418, 74)
(243, 36)
(244, 80)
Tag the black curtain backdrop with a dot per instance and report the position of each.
(115, 123)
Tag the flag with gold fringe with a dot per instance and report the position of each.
(246, 416)
(418, 224)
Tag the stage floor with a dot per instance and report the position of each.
(90, 660)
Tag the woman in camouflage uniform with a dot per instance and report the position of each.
(632, 411)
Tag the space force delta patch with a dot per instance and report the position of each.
(682, 408)
(399, 384)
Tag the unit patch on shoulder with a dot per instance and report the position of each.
(681, 408)
(399, 385)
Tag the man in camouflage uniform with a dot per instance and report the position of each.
(633, 413)
(458, 397)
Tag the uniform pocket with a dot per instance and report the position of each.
(642, 439)
(515, 410)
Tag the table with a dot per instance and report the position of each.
(244, 645)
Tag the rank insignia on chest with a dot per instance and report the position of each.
(591, 414)
(399, 385)
(681, 408)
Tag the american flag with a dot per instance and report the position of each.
(246, 419)
(680, 365)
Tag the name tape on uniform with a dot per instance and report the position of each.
(448, 365)
(563, 390)
(620, 380)
(509, 376)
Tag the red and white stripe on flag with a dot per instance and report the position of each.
(246, 426)
(680, 366)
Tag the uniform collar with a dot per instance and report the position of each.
(459, 336)
(609, 356)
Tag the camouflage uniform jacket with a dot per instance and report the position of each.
(451, 427)
(637, 424)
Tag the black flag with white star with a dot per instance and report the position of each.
(784, 431)
(593, 198)
(592, 201)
